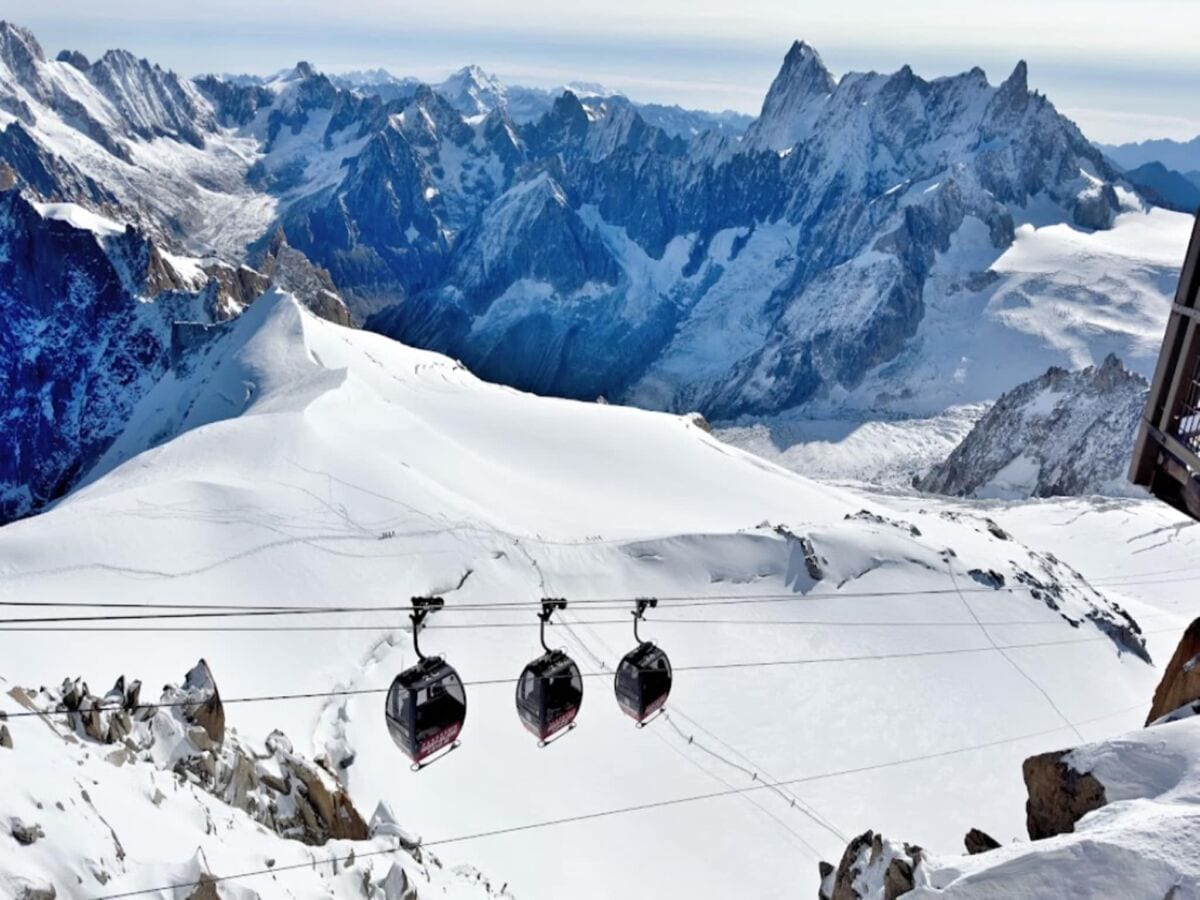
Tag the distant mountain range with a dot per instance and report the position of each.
(475, 92)
(1166, 187)
(880, 243)
(1167, 171)
(1182, 156)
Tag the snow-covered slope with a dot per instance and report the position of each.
(290, 461)
(1062, 433)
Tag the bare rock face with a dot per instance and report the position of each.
(1180, 684)
(205, 890)
(1058, 795)
(871, 860)
(292, 271)
(203, 702)
(977, 841)
(231, 288)
(25, 833)
(5, 738)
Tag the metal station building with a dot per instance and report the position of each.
(1166, 456)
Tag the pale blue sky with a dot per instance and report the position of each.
(1122, 69)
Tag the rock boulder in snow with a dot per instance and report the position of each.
(1058, 794)
(977, 841)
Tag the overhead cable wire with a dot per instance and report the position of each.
(485, 626)
(701, 667)
(626, 810)
(197, 611)
(1012, 662)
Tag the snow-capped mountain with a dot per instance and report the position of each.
(793, 103)
(1061, 433)
(291, 461)
(905, 253)
(473, 92)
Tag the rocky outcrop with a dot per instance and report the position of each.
(290, 270)
(1063, 433)
(1058, 795)
(872, 868)
(1178, 692)
(185, 731)
(233, 288)
(25, 833)
(200, 702)
(977, 841)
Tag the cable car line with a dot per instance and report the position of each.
(702, 667)
(210, 610)
(640, 807)
(484, 626)
(749, 798)
(790, 799)
(1012, 662)
(790, 796)
(607, 604)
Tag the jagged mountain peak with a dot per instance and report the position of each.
(1018, 81)
(473, 91)
(18, 46)
(302, 71)
(793, 102)
(803, 71)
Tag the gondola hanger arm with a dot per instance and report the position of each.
(421, 607)
(643, 603)
(549, 605)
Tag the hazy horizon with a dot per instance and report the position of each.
(1122, 74)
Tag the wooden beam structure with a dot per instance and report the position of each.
(1166, 455)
